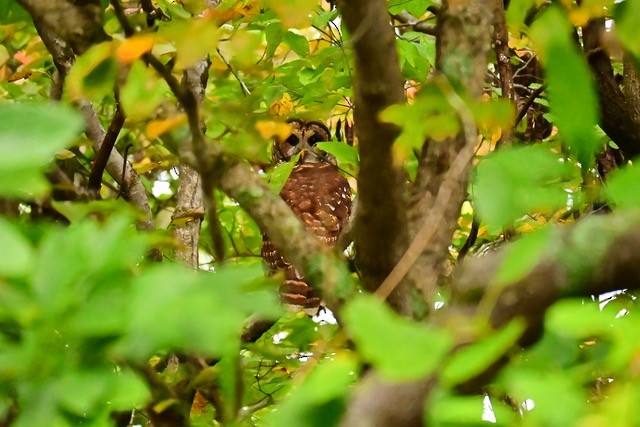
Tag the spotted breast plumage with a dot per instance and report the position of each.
(318, 194)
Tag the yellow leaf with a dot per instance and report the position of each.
(155, 128)
(65, 155)
(145, 165)
(281, 107)
(134, 47)
(293, 13)
(269, 129)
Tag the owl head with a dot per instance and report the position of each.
(303, 139)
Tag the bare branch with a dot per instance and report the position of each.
(102, 156)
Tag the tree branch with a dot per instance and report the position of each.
(102, 156)
(462, 45)
(380, 229)
(620, 113)
(63, 58)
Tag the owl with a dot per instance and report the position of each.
(317, 193)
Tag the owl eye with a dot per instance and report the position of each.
(314, 139)
(293, 140)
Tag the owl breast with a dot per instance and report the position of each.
(321, 197)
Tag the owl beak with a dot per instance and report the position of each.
(309, 156)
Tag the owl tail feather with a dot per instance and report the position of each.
(297, 292)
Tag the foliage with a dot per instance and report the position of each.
(90, 326)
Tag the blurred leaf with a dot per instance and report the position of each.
(321, 398)
(399, 348)
(494, 113)
(143, 92)
(415, 7)
(39, 131)
(207, 311)
(16, 253)
(293, 13)
(474, 359)
(512, 183)
(193, 39)
(577, 319)
(516, 14)
(572, 94)
(134, 47)
(627, 19)
(156, 128)
(523, 255)
(93, 74)
(448, 410)
(622, 186)
(558, 400)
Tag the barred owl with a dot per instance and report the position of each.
(317, 193)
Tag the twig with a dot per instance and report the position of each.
(245, 89)
(530, 100)
(414, 23)
(471, 240)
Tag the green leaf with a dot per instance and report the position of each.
(324, 17)
(399, 348)
(273, 34)
(430, 116)
(627, 19)
(280, 174)
(622, 187)
(516, 14)
(320, 400)
(415, 7)
(207, 311)
(344, 153)
(30, 135)
(16, 253)
(94, 73)
(449, 410)
(578, 319)
(297, 43)
(474, 359)
(523, 255)
(512, 183)
(559, 401)
(572, 93)
(142, 93)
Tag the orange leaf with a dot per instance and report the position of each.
(155, 128)
(134, 47)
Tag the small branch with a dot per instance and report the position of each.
(243, 86)
(471, 240)
(530, 100)
(380, 229)
(102, 156)
(408, 20)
